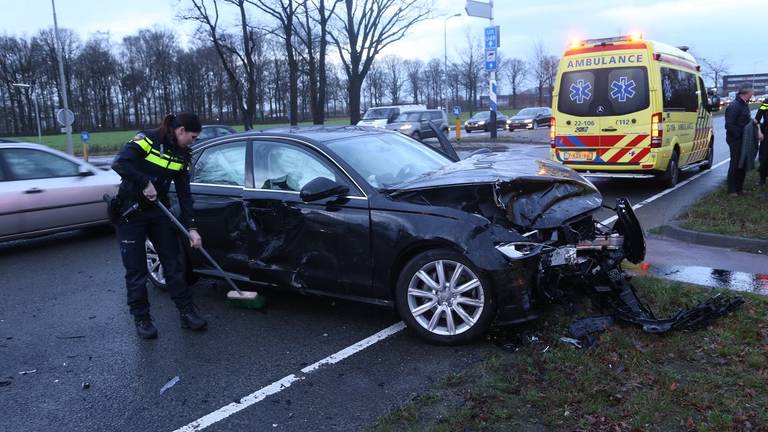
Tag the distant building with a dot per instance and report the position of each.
(759, 81)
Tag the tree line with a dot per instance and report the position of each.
(271, 69)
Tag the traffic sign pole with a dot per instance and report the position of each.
(62, 79)
(492, 84)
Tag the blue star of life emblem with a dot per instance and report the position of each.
(623, 89)
(581, 91)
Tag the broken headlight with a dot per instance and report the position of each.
(519, 250)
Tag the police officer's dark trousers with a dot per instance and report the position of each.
(736, 175)
(763, 157)
(151, 223)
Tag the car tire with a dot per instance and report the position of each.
(710, 157)
(467, 131)
(535, 125)
(447, 316)
(154, 268)
(671, 176)
(511, 129)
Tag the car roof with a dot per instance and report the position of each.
(318, 134)
(16, 144)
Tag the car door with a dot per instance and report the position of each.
(310, 246)
(52, 190)
(217, 180)
(10, 202)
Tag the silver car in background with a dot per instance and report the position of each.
(44, 191)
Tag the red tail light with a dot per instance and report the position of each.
(657, 130)
(552, 124)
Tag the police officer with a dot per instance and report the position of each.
(762, 120)
(148, 164)
(737, 116)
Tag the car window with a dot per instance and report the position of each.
(679, 90)
(434, 115)
(221, 165)
(287, 167)
(26, 164)
(481, 115)
(527, 111)
(409, 116)
(604, 92)
(223, 131)
(2, 173)
(385, 160)
(206, 133)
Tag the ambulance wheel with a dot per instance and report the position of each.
(710, 157)
(670, 177)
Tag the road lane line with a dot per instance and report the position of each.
(667, 191)
(285, 382)
(282, 384)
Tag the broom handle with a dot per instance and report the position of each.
(202, 249)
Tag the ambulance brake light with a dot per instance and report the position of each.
(552, 124)
(657, 130)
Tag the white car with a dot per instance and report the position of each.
(44, 191)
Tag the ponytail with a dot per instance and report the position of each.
(188, 120)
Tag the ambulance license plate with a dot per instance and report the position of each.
(578, 155)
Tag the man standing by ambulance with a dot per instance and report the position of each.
(737, 116)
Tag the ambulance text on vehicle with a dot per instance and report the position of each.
(628, 107)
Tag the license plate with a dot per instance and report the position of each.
(578, 155)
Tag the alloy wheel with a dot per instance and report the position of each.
(446, 297)
(154, 267)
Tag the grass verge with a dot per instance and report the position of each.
(744, 216)
(715, 379)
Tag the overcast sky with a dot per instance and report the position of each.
(712, 28)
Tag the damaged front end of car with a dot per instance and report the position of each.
(586, 255)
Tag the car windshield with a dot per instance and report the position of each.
(385, 160)
(482, 115)
(413, 116)
(378, 113)
(528, 112)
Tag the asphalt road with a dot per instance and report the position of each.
(63, 315)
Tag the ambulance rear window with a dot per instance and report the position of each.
(604, 92)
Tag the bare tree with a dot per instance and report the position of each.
(393, 67)
(285, 12)
(232, 50)
(471, 70)
(543, 70)
(715, 69)
(365, 28)
(515, 71)
(413, 75)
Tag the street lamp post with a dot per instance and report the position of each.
(445, 57)
(37, 113)
(62, 78)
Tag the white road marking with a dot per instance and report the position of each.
(285, 382)
(667, 191)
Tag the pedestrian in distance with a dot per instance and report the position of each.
(147, 165)
(762, 119)
(737, 117)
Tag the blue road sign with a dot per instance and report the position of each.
(490, 60)
(85, 136)
(456, 110)
(492, 37)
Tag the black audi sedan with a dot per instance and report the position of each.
(375, 216)
(482, 121)
(530, 118)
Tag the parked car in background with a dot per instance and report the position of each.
(415, 124)
(44, 191)
(382, 116)
(480, 121)
(214, 131)
(530, 118)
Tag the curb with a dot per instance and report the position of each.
(715, 240)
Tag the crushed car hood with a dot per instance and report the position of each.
(533, 193)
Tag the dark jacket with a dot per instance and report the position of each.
(749, 145)
(737, 115)
(762, 118)
(149, 157)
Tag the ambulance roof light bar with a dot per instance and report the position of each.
(634, 37)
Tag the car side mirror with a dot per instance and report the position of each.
(320, 188)
(83, 171)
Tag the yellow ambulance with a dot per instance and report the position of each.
(629, 107)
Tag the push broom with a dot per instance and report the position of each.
(246, 299)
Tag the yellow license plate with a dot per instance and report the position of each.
(578, 156)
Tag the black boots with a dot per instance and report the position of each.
(145, 328)
(190, 319)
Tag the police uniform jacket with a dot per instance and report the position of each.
(150, 157)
